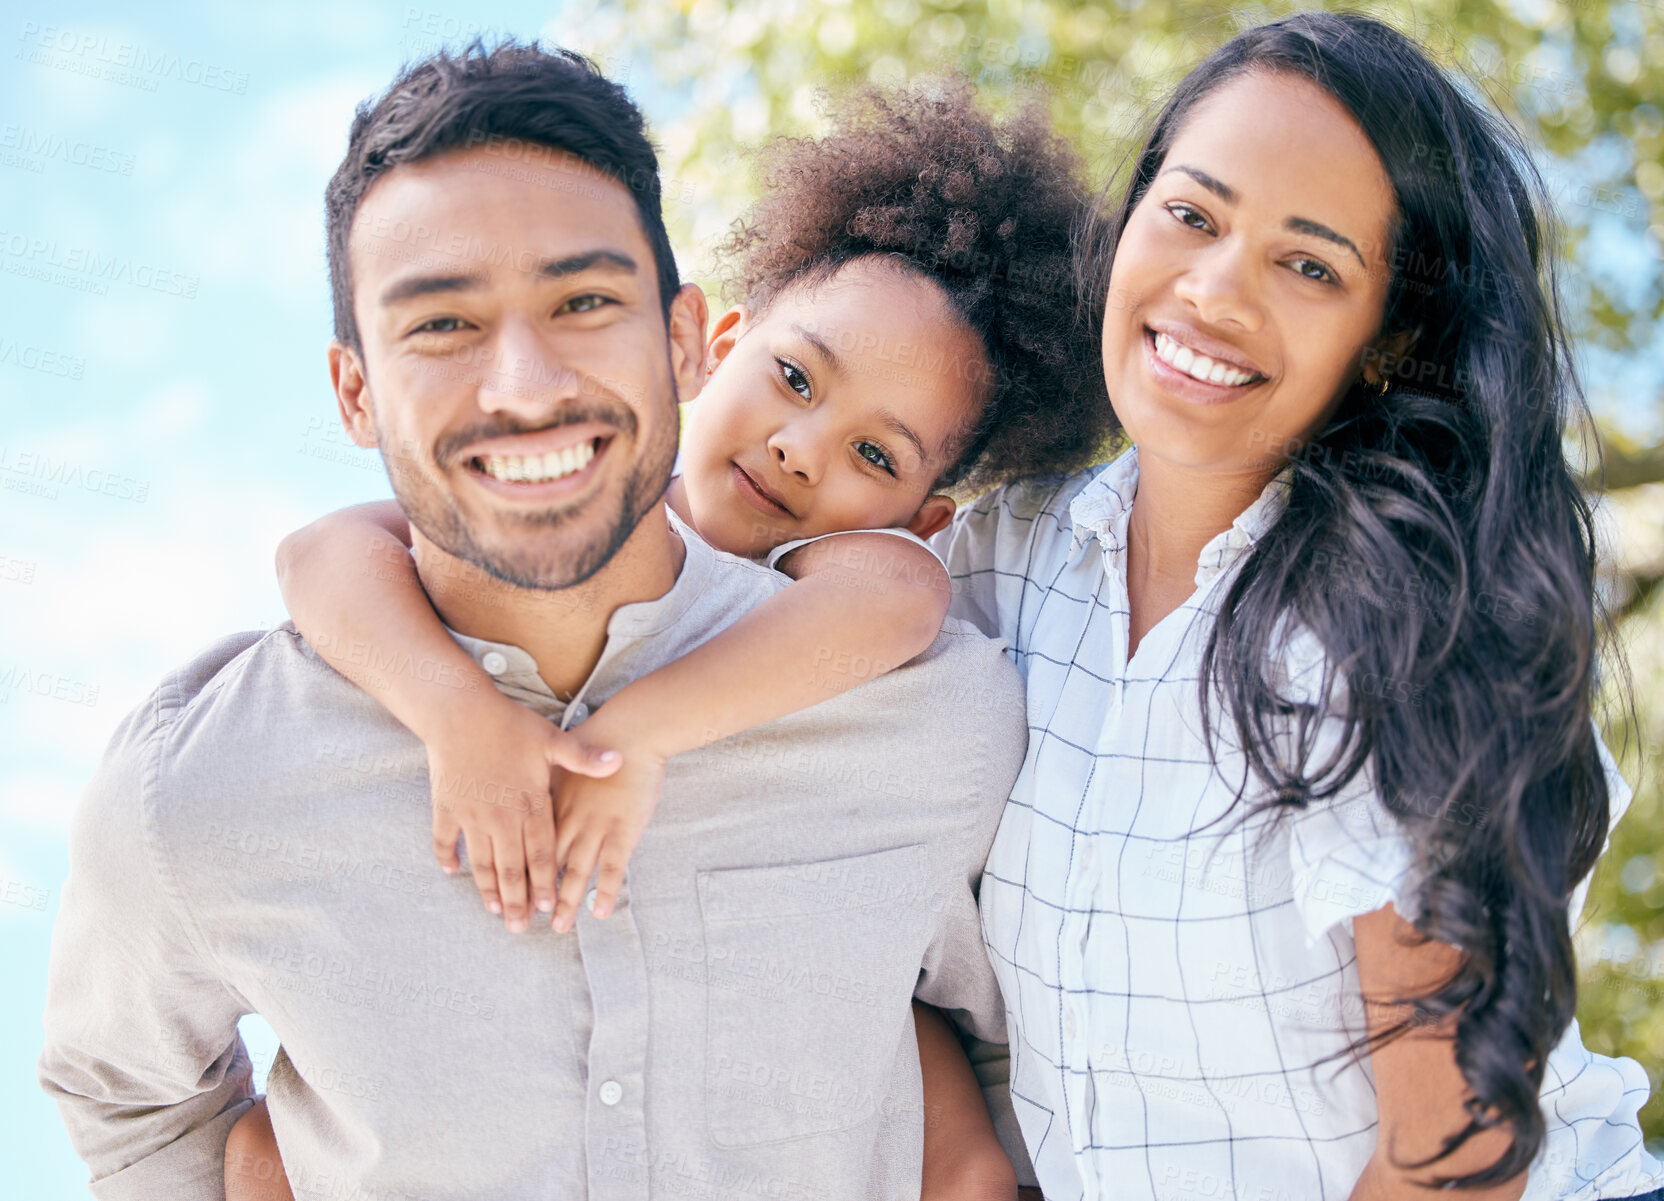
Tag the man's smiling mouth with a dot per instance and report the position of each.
(538, 469)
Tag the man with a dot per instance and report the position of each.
(257, 838)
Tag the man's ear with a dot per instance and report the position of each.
(1383, 355)
(933, 515)
(352, 394)
(687, 318)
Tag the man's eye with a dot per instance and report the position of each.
(588, 302)
(875, 455)
(794, 377)
(1322, 274)
(439, 325)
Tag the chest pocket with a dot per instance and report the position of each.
(810, 971)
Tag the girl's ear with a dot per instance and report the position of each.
(933, 515)
(724, 334)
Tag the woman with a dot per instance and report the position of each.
(1280, 902)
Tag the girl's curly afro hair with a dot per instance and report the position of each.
(987, 210)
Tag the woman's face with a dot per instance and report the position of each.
(1258, 260)
(836, 409)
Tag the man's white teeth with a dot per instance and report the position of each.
(539, 469)
(1198, 366)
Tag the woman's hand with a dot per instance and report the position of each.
(493, 771)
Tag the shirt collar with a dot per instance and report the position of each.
(1102, 508)
(515, 670)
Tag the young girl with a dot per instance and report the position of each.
(1282, 902)
(906, 326)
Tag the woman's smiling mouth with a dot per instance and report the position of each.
(1187, 372)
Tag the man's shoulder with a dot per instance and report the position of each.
(229, 709)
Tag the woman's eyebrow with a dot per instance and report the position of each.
(1300, 225)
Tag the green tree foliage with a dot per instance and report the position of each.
(1584, 80)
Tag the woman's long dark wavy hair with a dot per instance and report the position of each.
(1438, 546)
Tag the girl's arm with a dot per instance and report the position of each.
(863, 604)
(352, 589)
(963, 1159)
(253, 1167)
(1418, 1087)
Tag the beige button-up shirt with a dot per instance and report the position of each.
(257, 841)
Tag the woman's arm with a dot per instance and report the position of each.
(253, 1166)
(963, 1159)
(863, 604)
(1418, 1087)
(352, 589)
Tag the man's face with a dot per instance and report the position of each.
(516, 371)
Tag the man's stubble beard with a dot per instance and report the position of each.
(432, 511)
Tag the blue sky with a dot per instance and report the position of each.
(164, 312)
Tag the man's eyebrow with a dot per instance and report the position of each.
(896, 425)
(613, 261)
(1300, 225)
(425, 285)
(608, 260)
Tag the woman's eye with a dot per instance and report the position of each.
(1185, 214)
(794, 377)
(439, 325)
(1312, 269)
(584, 304)
(875, 455)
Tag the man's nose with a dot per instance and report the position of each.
(524, 376)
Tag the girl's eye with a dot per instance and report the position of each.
(586, 303)
(875, 455)
(1322, 274)
(439, 325)
(1185, 214)
(794, 377)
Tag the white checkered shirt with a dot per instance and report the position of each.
(1181, 991)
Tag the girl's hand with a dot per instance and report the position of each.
(599, 821)
(492, 772)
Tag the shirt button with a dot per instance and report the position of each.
(494, 662)
(611, 1092)
(589, 904)
(578, 711)
(1069, 1022)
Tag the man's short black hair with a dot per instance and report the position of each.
(515, 96)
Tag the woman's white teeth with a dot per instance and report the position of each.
(1198, 366)
(539, 469)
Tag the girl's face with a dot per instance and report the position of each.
(835, 409)
(1256, 259)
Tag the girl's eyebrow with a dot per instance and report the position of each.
(823, 348)
(900, 428)
(1299, 225)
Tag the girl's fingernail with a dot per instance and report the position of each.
(608, 757)
(448, 868)
(545, 906)
(494, 906)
